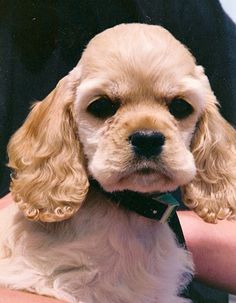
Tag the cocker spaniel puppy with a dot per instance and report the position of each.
(135, 115)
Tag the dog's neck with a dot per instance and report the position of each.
(158, 207)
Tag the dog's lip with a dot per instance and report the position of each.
(146, 171)
(144, 179)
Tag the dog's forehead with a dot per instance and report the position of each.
(141, 52)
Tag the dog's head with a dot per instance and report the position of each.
(137, 113)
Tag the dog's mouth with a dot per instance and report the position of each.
(148, 170)
(145, 171)
(160, 174)
(144, 179)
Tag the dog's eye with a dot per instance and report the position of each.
(103, 108)
(180, 109)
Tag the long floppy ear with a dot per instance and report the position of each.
(49, 182)
(212, 194)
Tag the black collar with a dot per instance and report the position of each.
(157, 207)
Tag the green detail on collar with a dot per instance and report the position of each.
(171, 205)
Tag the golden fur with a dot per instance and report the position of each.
(103, 252)
(50, 180)
(46, 157)
(212, 193)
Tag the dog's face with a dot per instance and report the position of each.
(138, 103)
(137, 114)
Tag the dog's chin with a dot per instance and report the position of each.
(143, 183)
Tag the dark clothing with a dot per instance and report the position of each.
(41, 41)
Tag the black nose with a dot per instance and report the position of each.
(147, 143)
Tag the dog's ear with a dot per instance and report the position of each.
(49, 181)
(212, 193)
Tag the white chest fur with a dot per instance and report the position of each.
(104, 254)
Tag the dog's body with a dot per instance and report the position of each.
(110, 255)
(136, 114)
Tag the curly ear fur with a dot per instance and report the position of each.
(49, 181)
(212, 194)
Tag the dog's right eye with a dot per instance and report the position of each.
(103, 108)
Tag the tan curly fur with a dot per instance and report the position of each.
(49, 182)
(105, 253)
(212, 193)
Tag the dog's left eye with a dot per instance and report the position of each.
(103, 108)
(180, 109)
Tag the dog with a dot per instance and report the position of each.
(135, 115)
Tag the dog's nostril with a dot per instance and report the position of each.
(147, 143)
